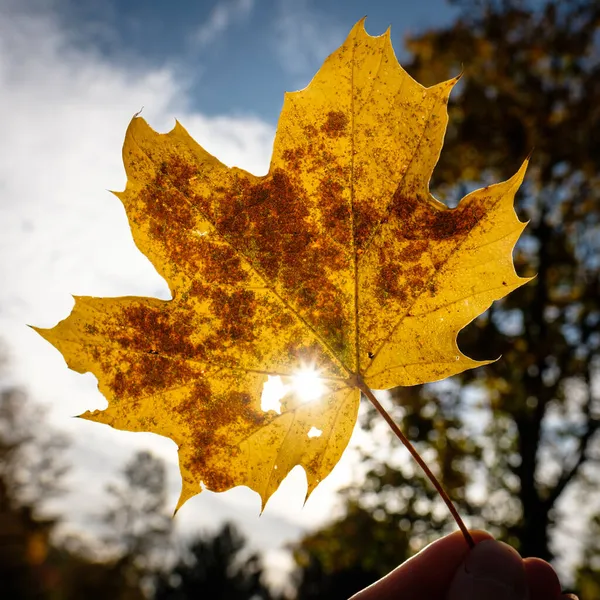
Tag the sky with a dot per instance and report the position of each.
(72, 74)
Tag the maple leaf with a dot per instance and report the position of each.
(339, 260)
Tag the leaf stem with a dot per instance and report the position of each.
(438, 486)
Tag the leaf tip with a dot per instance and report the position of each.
(359, 28)
(444, 88)
(526, 280)
(309, 491)
(178, 127)
(188, 490)
(137, 126)
(312, 481)
(119, 195)
(91, 415)
(263, 504)
(43, 331)
(517, 178)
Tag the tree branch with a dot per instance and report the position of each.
(568, 474)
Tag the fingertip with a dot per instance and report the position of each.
(492, 570)
(542, 580)
(413, 578)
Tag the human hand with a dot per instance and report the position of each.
(448, 570)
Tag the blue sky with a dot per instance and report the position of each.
(72, 74)
(239, 56)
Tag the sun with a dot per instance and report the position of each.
(307, 384)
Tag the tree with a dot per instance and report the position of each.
(588, 572)
(215, 567)
(31, 463)
(33, 564)
(139, 527)
(31, 469)
(508, 440)
(330, 568)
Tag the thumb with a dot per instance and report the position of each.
(493, 571)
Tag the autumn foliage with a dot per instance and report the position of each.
(339, 260)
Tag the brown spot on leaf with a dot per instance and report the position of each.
(293, 157)
(169, 213)
(165, 332)
(270, 222)
(151, 374)
(413, 251)
(389, 282)
(335, 123)
(219, 263)
(161, 350)
(418, 219)
(236, 311)
(216, 422)
(336, 210)
(364, 222)
(119, 384)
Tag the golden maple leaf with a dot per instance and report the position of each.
(339, 259)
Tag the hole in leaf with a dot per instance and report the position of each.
(314, 432)
(273, 392)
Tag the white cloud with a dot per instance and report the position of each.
(64, 112)
(304, 36)
(64, 116)
(222, 16)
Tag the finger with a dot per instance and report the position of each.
(492, 570)
(427, 574)
(542, 580)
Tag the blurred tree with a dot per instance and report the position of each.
(332, 569)
(215, 567)
(588, 572)
(24, 548)
(139, 527)
(31, 462)
(32, 466)
(78, 575)
(31, 469)
(508, 440)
